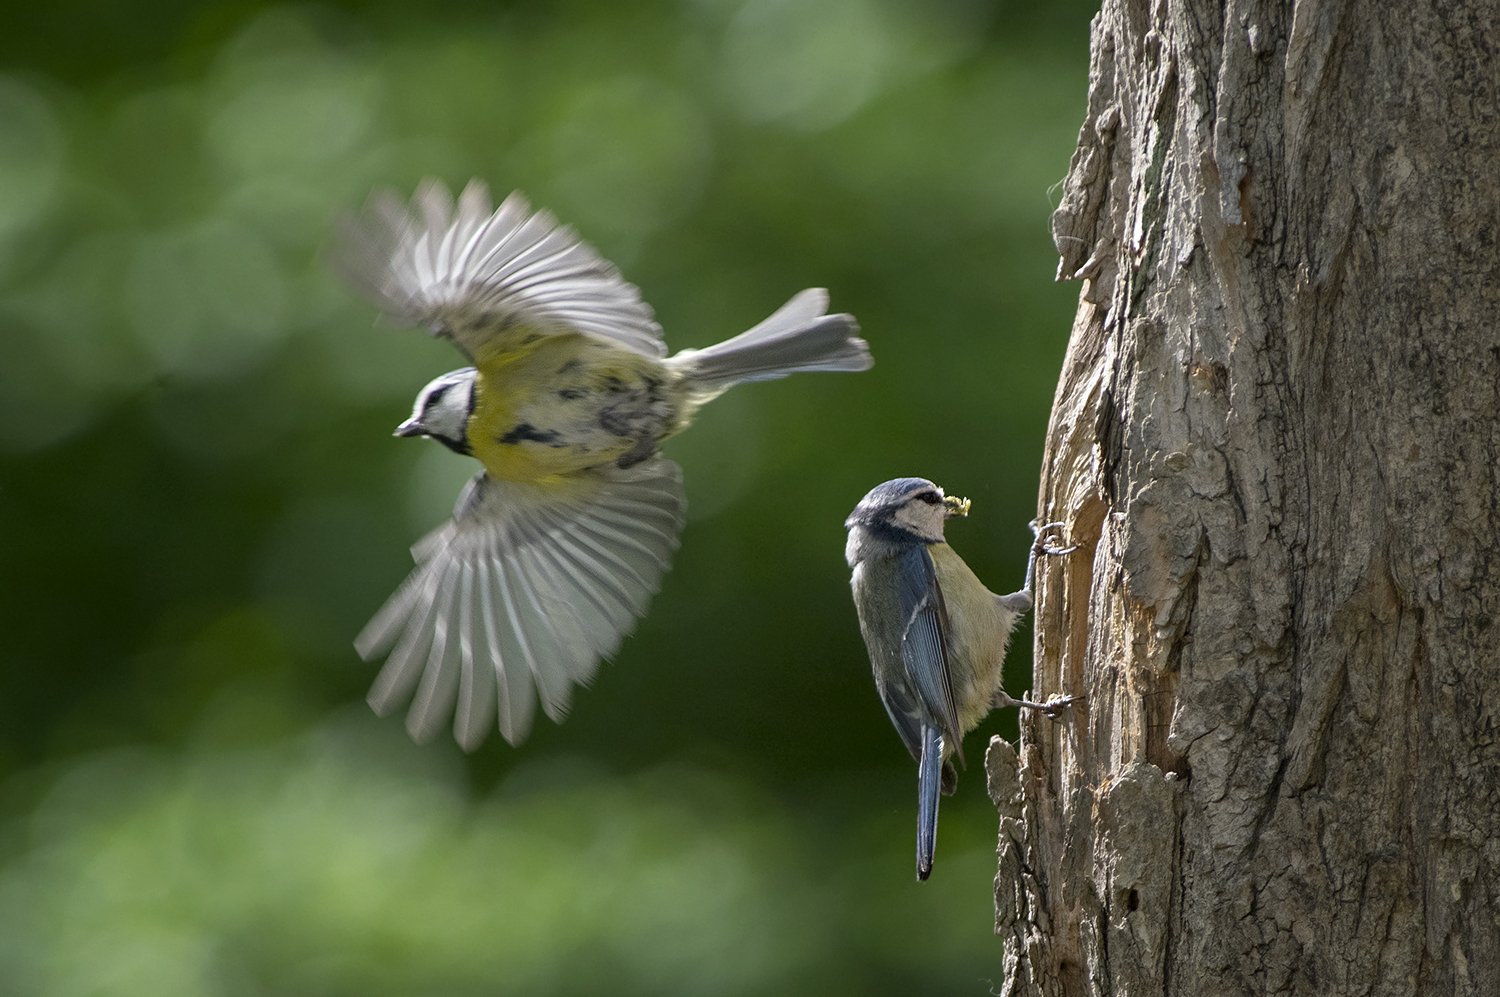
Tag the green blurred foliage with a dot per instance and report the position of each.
(203, 501)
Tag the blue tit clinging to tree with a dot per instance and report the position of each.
(557, 545)
(936, 635)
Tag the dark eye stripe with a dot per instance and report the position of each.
(930, 498)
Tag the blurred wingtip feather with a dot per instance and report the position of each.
(472, 274)
(534, 585)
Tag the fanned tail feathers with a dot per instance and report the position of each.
(796, 337)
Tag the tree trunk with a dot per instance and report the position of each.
(1276, 434)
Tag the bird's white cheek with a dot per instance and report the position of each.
(924, 520)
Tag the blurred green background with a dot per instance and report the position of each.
(202, 502)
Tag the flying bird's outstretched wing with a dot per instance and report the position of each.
(519, 596)
(488, 279)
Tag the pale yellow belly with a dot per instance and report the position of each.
(976, 648)
(570, 403)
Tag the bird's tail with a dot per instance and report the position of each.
(929, 787)
(798, 336)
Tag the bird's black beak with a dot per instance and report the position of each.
(410, 427)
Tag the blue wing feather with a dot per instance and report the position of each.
(902, 709)
(924, 646)
(904, 620)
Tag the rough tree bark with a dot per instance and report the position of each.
(1277, 433)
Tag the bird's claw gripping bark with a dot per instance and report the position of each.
(1042, 543)
(1053, 706)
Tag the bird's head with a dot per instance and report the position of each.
(442, 410)
(908, 510)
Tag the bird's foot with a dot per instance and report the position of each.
(1043, 538)
(1053, 706)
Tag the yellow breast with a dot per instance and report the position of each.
(976, 639)
(565, 403)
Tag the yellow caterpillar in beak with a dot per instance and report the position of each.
(954, 505)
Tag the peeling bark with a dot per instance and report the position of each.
(1276, 433)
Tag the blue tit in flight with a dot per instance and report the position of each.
(558, 543)
(936, 636)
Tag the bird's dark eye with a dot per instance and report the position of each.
(437, 395)
(930, 498)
